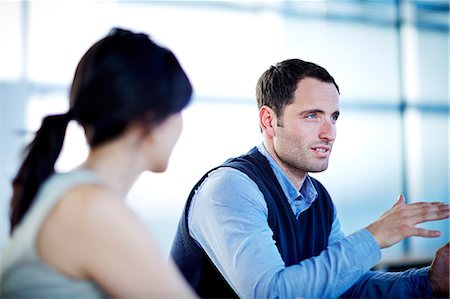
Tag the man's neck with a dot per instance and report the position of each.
(296, 176)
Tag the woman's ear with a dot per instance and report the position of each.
(267, 120)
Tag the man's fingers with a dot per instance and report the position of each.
(400, 200)
(434, 213)
(424, 212)
(421, 232)
(400, 222)
(421, 205)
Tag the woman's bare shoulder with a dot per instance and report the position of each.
(81, 220)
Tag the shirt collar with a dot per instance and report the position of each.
(307, 192)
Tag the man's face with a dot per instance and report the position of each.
(306, 131)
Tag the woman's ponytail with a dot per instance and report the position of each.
(39, 163)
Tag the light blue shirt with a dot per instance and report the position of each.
(229, 219)
(298, 200)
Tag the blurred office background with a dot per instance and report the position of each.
(390, 59)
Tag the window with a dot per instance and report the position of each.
(390, 61)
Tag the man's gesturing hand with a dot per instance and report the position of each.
(399, 222)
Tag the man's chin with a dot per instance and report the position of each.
(318, 169)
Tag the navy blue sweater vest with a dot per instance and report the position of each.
(296, 240)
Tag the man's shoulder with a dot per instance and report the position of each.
(233, 180)
(227, 186)
(225, 177)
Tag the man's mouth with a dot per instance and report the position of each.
(321, 151)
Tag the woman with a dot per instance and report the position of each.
(72, 234)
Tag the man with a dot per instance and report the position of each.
(259, 226)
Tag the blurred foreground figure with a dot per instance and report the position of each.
(72, 235)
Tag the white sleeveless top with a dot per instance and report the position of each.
(23, 273)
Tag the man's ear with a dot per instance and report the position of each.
(267, 120)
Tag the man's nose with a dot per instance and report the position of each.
(327, 131)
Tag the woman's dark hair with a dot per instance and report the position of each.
(123, 78)
(277, 85)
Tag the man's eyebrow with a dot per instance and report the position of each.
(337, 112)
(312, 111)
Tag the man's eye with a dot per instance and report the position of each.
(311, 116)
(335, 117)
